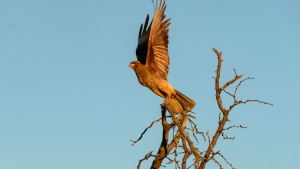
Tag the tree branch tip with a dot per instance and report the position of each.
(257, 101)
(132, 142)
(216, 51)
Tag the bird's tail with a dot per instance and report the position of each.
(179, 103)
(186, 103)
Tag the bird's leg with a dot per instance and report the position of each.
(163, 105)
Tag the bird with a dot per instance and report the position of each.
(152, 64)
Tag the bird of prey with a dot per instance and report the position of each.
(152, 65)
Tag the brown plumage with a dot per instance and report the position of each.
(152, 63)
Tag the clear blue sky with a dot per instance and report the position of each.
(68, 99)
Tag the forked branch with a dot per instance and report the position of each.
(209, 154)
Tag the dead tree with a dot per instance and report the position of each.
(178, 148)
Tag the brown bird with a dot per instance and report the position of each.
(152, 65)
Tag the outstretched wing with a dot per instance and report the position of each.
(143, 38)
(157, 59)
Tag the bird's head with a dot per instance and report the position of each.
(134, 64)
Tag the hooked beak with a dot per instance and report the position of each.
(131, 65)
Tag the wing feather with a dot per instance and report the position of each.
(143, 38)
(157, 59)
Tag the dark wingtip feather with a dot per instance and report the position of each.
(164, 7)
(140, 31)
(146, 23)
(141, 50)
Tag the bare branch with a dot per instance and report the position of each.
(240, 83)
(225, 112)
(187, 153)
(238, 102)
(217, 81)
(255, 101)
(163, 148)
(227, 162)
(226, 137)
(193, 149)
(195, 131)
(234, 126)
(141, 136)
(230, 94)
(237, 77)
(217, 162)
(194, 162)
(208, 137)
(147, 156)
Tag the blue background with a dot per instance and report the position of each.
(68, 99)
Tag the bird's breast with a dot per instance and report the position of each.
(145, 80)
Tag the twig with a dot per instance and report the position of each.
(226, 137)
(147, 156)
(217, 162)
(240, 83)
(196, 130)
(237, 102)
(141, 136)
(227, 162)
(234, 126)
